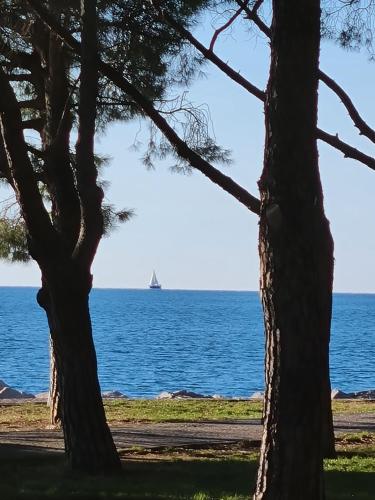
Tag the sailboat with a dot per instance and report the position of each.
(154, 282)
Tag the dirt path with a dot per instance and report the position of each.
(156, 435)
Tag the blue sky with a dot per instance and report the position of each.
(195, 235)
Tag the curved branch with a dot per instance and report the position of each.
(358, 121)
(180, 146)
(225, 26)
(196, 161)
(208, 54)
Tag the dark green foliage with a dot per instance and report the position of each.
(112, 217)
(13, 242)
(145, 49)
(132, 39)
(350, 23)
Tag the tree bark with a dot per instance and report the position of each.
(88, 442)
(53, 402)
(296, 256)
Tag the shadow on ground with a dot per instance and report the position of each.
(31, 473)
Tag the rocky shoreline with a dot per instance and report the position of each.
(9, 393)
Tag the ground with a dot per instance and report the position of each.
(175, 450)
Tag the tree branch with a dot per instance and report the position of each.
(36, 217)
(346, 149)
(31, 104)
(208, 54)
(36, 152)
(196, 161)
(224, 27)
(91, 195)
(33, 123)
(24, 77)
(252, 14)
(22, 60)
(358, 121)
(4, 163)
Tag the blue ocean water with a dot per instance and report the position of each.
(205, 341)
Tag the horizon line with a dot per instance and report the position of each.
(345, 292)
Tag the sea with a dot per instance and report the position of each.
(150, 341)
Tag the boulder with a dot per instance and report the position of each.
(42, 395)
(257, 395)
(181, 395)
(164, 395)
(113, 395)
(365, 394)
(3, 384)
(337, 394)
(27, 395)
(9, 393)
(187, 394)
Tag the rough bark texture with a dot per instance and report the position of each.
(54, 401)
(88, 442)
(296, 250)
(59, 176)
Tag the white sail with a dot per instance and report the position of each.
(154, 281)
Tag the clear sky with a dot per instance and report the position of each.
(194, 234)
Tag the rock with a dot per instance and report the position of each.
(181, 395)
(337, 394)
(113, 395)
(164, 395)
(3, 384)
(27, 395)
(257, 395)
(42, 395)
(364, 394)
(217, 396)
(9, 393)
(188, 394)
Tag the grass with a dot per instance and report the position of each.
(225, 474)
(35, 415)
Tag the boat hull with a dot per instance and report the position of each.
(155, 287)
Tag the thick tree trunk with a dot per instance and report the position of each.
(295, 248)
(88, 442)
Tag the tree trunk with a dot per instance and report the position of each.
(53, 393)
(328, 434)
(295, 247)
(53, 401)
(88, 442)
